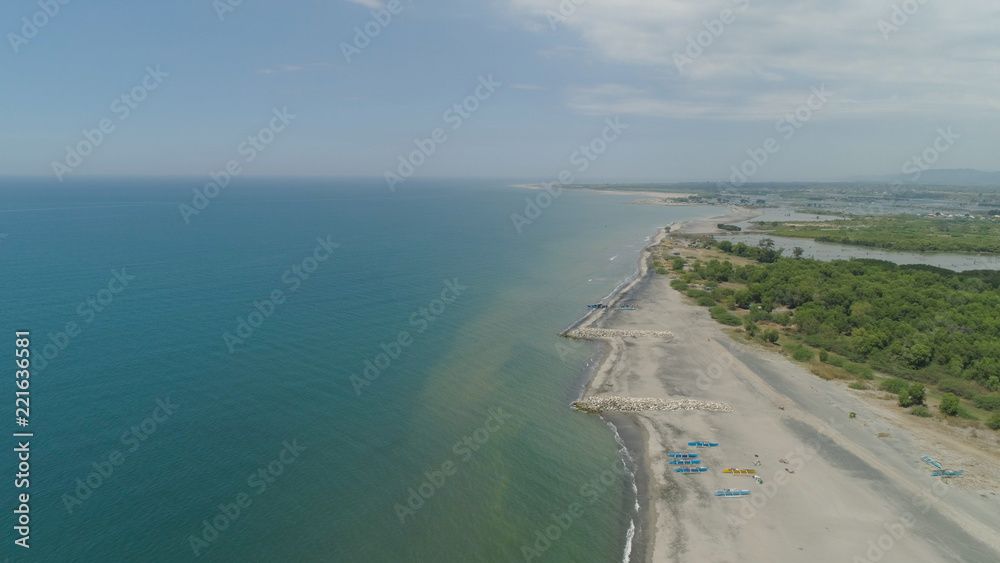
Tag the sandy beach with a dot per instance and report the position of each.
(835, 488)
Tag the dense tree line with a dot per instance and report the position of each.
(925, 324)
(899, 232)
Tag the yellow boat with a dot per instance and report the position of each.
(735, 471)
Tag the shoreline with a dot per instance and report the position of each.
(627, 429)
(676, 520)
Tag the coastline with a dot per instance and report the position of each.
(679, 520)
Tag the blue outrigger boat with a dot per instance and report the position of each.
(682, 455)
(946, 473)
(685, 462)
(691, 469)
(598, 306)
(932, 462)
(627, 308)
(703, 444)
(732, 493)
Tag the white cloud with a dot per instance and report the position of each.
(764, 62)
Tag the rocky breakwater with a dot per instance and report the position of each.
(631, 404)
(618, 333)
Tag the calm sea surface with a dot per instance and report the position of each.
(391, 388)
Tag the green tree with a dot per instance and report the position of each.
(917, 394)
(770, 335)
(797, 252)
(949, 404)
(751, 327)
(678, 264)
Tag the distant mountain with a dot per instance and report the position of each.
(943, 177)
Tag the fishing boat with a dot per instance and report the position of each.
(704, 444)
(685, 462)
(732, 493)
(626, 308)
(946, 473)
(735, 471)
(691, 469)
(682, 455)
(598, 306)
(932, 462)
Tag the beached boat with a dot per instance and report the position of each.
(626, 308)
(598, 306)
(691, 469)
(946, 473)
(735, 471)
(731, 493)
(932, 462)
(685, 462)
(682, 455)
(704, 444)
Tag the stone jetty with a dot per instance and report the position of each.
(618, 333)
(631, 404)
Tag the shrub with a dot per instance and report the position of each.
(662, 271)
(824, 356)
(783, 319)
(989, 402)
(960, 387)
(721, 315)
(917, 394)
(770, 335)
(802, 354)
(994, 421)
(679, 285)
(894, 385)
(858, 385)
(751, 327)
(706, 301)
(864, 372)
(993, 383)
(836, 361)
(949, 404)
(921, 411)
(678, 264)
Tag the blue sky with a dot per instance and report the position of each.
(562, 74)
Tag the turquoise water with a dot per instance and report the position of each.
(308, 464)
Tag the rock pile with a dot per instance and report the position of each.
(630, 404)
(617, 332)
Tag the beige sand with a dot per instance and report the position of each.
(845, 493)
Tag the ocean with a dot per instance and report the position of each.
(314, 370)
